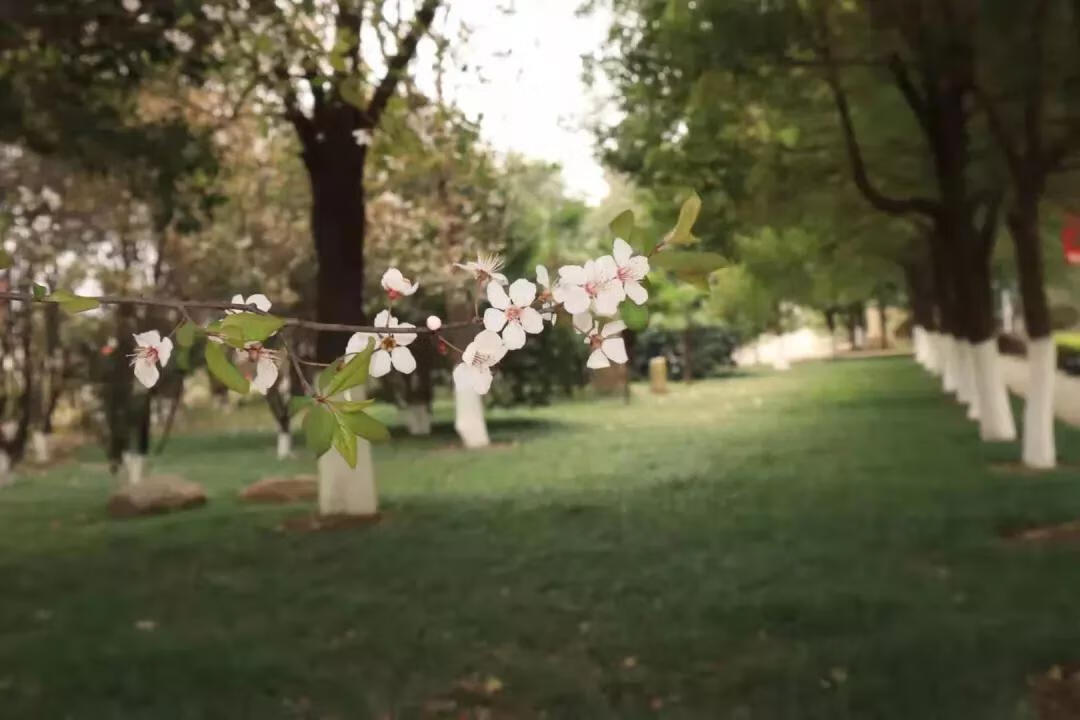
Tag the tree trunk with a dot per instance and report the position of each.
(335, 165)
(468, 406)
(415, 405)
(688, 356)
(1039, 449)
(6, 478)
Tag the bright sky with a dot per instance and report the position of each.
(524, 77)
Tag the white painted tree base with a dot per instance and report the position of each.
(996, 422)
(41, 445)
(344, 490)
(1039, 447)
(6, 476)
(951, 357)
(284, 445)
(469, 418)
(965, 379)
(933, 352)
(918, 341)
(135, 467)
(417, 418)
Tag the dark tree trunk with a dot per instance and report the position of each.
(688, 355)
(335, 165)
(883, 322)
(1024, 227)
(920, 295)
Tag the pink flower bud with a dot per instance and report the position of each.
(434, 323)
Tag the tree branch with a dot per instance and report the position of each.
(396, 67)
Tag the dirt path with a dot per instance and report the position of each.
(1066, 388)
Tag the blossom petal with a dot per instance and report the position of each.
(513, 336)
(604, 268)
(622, 251)
(490, 345)
(583, 322)
(607, 302)
(636, 292)
(359, 342)
(522, 292)
(260, 301)
(573, 275)
(574, 299)
(542, 277)
(383, 319)
(499, 278)
(164, 351)
(403, 360)
(404, 338)
(461, 376)
(497, 296)
(494, 319)
(639, 266)
(597, 360)
(146, 372)
(266, 372)
(150, 338)
(531, 320)
(392, 279)
(479, 379)
(615, 349)
(613, 328)
(380, 363)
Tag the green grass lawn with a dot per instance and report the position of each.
(819, 544)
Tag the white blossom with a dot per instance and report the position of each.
(258, 300)
(630, 270)
(485, 269)
(513, 313)
(214, 12)
(266, 367)
(606, 345)
(132, 6)
(434, 322)
(151, 350)
(474, 372)
(362, 136)
(51, 197)
(547, 294)
(593, 286)
(390, 348)
(41, 223)
(179, 39)
(397, 285)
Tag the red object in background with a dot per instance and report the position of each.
(1070, 239)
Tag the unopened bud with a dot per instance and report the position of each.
(434, 322)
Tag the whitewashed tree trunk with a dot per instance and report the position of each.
(933, 352)
(284, 445)
(417, 418)
(996, 422)
(780, 356)
(41, 444)
(951, 359)
(1039, 449)
(918, 340)
(135, 467)
(469, 418)
(6, 477)
(966, 392)
(345, 490)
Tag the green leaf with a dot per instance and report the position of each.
(185, 335)
(183, 358)
(326, 376)
(71, 303)
(688, 215)
(231, 335)
(352, 92)
(319, 429)
(40, 292)
(788, 137)
(223, 370)
(700, 263)
(636, 317)
(354, 405)
(367, 427)
(253, 327)
(6, 260)
(353, 373)
(623, 225)
(298, 403)
(345, 443)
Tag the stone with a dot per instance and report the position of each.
(154, 495)
(276, 489)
